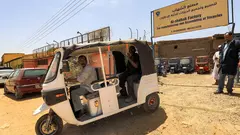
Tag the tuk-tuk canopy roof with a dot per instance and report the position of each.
(106, 43)
(175, 58)
(144, 51)
(206, 56)
(187, 57)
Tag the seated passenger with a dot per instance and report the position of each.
(132, 73)
(86, 77)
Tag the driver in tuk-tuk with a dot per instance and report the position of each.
(132, 74)
(85, 78)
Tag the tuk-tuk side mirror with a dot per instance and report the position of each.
(65, 67)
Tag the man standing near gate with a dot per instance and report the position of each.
(229, 61)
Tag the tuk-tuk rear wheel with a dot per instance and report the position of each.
(152, 103)
(55, 128)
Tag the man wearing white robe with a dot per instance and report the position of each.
(215, 74)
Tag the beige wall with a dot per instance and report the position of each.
(189, 47)
(17, 63)
(11, 56)
(183, 48)
(217, 40)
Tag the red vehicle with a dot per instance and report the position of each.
(23, 81)
(202, 64)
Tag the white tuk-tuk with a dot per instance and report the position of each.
(103, 98)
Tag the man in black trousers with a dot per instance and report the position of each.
(229, 61)
(132, 73)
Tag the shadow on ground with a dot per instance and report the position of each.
(181, 85)
(131, 122)
(234, 94)
(25, 97)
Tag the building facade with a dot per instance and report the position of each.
(9, 57)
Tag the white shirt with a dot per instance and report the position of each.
(225, 49)
(87, 76)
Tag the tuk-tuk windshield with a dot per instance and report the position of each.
(173, 60)
(164, 61)
(185, 61)
(157, 61)
(52, 71)
(202, 59)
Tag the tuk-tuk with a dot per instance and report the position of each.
(161, 66)
(202, 64)
(104, 98)
(174, 65)
(187, 64)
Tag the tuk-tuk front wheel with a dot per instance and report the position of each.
(54, 127)
(152, 103)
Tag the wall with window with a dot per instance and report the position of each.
(29, 63)
(44, 62)
(217, 40)
(184, 48)
(17, 63)
(7, 57)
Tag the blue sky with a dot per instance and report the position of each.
(20, 19)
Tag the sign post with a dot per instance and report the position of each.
(190, 15)
(153, 47)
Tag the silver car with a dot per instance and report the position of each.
(4, 73)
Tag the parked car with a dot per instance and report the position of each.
(202, 64)
(2, 67)
(4, 73)
(23, 81)
(174, 65)
(187, 65)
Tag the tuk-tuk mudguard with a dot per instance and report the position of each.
(41, 108)
(54, 97)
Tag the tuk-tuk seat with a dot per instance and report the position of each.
(75, 87)
(136, 85)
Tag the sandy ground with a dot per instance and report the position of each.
(188, 107)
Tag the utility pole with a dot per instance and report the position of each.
(137, 34)
(144, 36)
(56, 43)
(80, 35)
(130, 31)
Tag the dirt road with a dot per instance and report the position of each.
(188, 107)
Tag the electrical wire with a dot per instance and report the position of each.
(62, 23)
(50, 20)
(58, 20)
